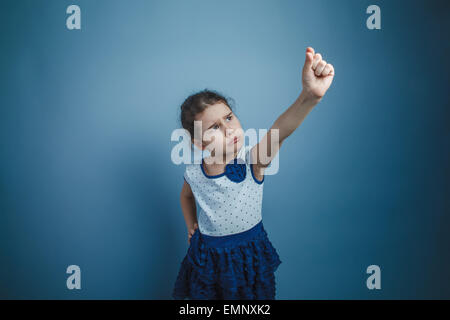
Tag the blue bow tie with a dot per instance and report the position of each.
(236, 172)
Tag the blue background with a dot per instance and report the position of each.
(86, 117)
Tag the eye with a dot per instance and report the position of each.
(214, 127)
(230, 116)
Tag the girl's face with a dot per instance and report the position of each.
(221, 130)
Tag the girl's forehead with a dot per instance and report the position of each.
(214, 113)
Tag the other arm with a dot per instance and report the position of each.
(189, 209)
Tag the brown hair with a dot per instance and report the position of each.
(196, 103)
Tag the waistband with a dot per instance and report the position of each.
(255, 232)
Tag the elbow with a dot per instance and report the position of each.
(185, 196)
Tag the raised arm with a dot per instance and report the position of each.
(317, 76)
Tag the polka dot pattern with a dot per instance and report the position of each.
(226, 207)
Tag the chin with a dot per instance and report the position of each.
(231, 148)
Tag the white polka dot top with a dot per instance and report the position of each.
(226, 207)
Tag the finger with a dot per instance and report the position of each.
(326, 70)
(320, 67)
(332, 70)
(310, 49)
(317, 59)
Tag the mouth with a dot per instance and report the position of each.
(234, 141)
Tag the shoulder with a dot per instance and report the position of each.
(189, 173)
(257, 172)
(248, 154)
(192, 172)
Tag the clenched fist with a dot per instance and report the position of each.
(191, 232)
(317, 74)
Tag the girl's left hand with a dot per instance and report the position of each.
(191, 232)
(317, 74)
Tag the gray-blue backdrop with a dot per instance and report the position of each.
(86, 116)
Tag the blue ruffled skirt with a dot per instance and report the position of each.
(237, 266)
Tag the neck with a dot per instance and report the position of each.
(224, 159)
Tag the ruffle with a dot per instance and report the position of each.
(243, 271)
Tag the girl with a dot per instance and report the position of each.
(229, 254)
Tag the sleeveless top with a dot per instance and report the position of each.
(229, 202)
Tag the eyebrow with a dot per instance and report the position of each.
(216, 121)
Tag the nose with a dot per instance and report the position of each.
(228, 130)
